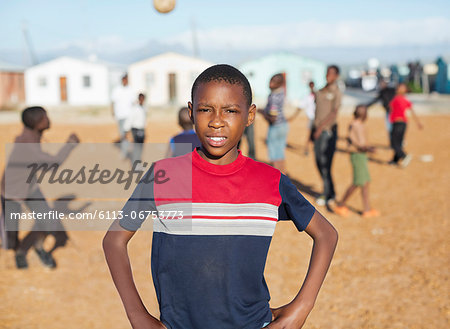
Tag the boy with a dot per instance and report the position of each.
(123, 99)
(397, 116)
(136, 124)
(309, 104)
(361, 178)
(328, 102)
(176, 145)
(211, 276)
(278, 124)
(18, 192)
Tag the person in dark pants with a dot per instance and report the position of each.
(397, 116)
(17, 191)
(328, 101)
(385, 96)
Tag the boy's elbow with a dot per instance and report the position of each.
(333, 237)
(109, 241)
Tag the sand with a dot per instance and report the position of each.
(388, 272)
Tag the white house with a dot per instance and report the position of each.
(298, 70)
(166, 78)
(67, 80)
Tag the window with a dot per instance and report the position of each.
(42, 81)
(86, 81)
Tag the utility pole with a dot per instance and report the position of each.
(28, 44)
(194, 38)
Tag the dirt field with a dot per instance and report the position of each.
(390, 272)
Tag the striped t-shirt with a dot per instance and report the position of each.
(208, 268)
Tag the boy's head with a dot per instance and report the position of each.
(332, 73)
(402, 89)
(141, 99)
(311, 86)
(360, 112)
(220, 109)
(276, 81)
(35, 118)
(184, 120)
(125, 80)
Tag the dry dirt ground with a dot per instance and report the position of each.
(389, 272)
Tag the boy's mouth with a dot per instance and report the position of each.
(216, 141)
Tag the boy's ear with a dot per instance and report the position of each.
(251, 115)
(191, 112)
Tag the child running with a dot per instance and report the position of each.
(361, 177)
(397, 116)
(208, 268)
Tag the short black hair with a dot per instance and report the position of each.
(355, 113)
(224, 73)
(334, 67)
(32, 115)
(183, 119)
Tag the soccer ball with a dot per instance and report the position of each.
(164, 6)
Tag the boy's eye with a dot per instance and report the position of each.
(231, 111)
(202, 110)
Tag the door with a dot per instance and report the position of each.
(172, 87)
(63, 89)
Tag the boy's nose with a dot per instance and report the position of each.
(216, 120)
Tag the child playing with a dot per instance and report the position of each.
(397, 116)
(17, 192)
(309, 104)
(136, 124)
(211, 275)
(177, 145)
(361, 178)
(278, 126)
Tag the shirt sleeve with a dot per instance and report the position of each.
(408, 104)
(141, 202)
(293, 205)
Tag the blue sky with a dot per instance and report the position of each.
(223, 25)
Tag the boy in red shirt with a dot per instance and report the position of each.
(397, 116)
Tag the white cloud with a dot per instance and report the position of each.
(313, 33)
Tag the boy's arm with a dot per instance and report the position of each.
(115, 248)
(416, 118)
(294, 314)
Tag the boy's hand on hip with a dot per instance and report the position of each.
(288, 317)
(146, 321)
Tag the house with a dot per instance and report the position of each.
(166, 78)
(71, 81)
(298, 70)
(12, 87)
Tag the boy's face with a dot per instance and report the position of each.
(141, 100)
(402, 89)
(220, 114)
(43, 124)
(275, 83)
(332, 75)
